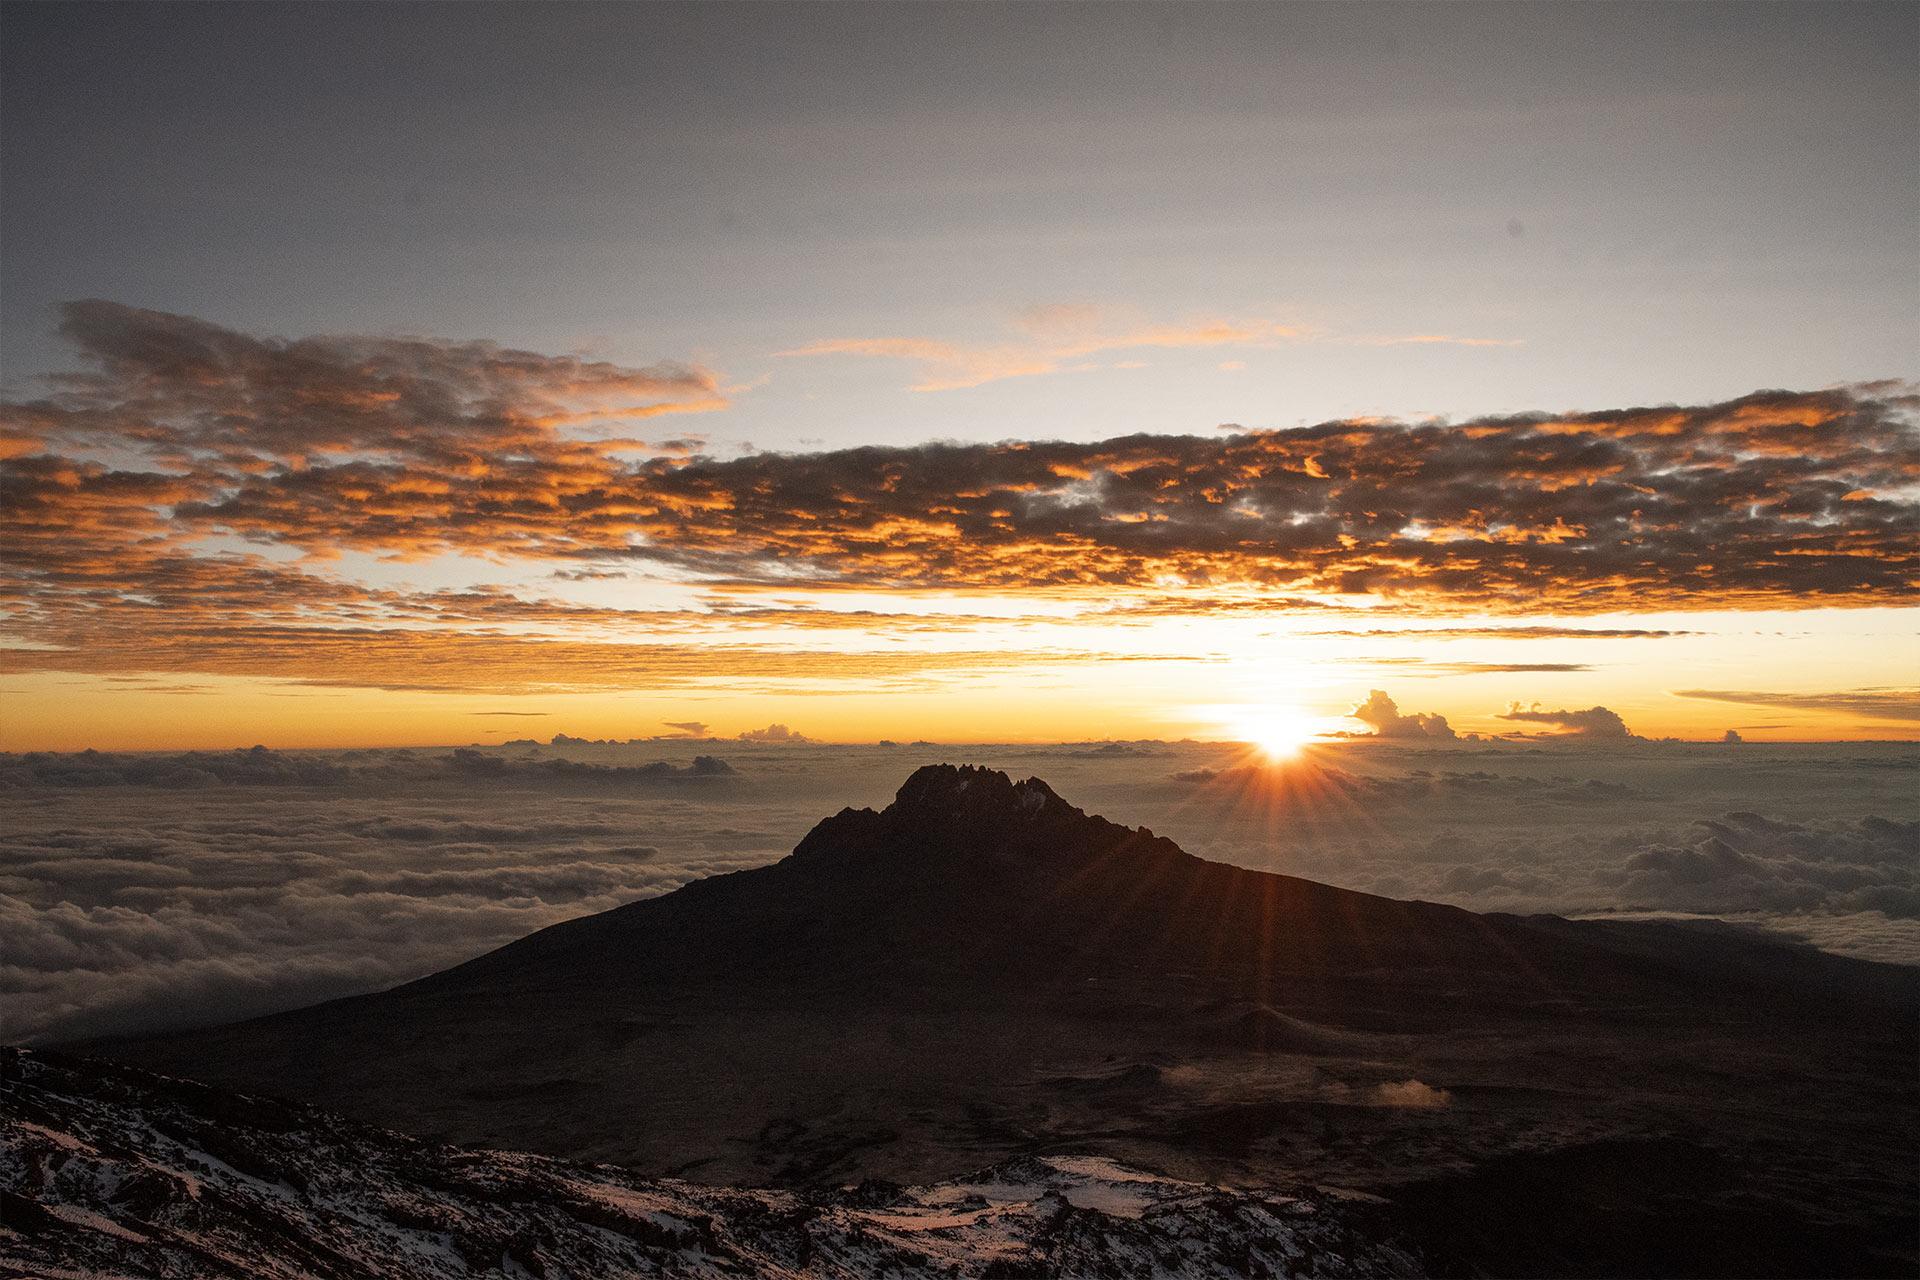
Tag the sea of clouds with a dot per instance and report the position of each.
(143, 892)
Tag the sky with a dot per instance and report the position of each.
(427, 374)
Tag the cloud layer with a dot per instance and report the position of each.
(193, 484)
(143, 890)
(1776, 500)
(150, 890)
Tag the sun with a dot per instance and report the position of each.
(1278, 733)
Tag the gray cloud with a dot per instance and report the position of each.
(773, 733)
(483, 764)
(1746, 862)
(1897, 705)
(189, 386)
(261, 767)
(1594, 722)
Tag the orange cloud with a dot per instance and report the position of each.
(1059, 334)
(1055, 336)
(415, 448)
(442, 660)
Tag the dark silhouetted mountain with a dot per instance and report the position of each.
(982, 971)
(972, 885)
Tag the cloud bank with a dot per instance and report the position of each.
(182, 503)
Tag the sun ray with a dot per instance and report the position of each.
(1277, 732)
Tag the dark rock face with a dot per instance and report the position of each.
(108, 1170)
(981, 971)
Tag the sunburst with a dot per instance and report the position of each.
(1277, 733)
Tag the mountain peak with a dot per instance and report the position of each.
(946, 792)
(965, 811)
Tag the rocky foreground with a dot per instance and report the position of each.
(106, 1170)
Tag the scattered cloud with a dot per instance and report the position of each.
(483, 764)
(1594, 722)
(1051, 340)
(944, 366)
(1383, 716)
(1430, 667)
(263, 767)
(773, 733)
(1059, 338)
(1898, 705)
(691, 728)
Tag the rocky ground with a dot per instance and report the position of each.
(109, 1171)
